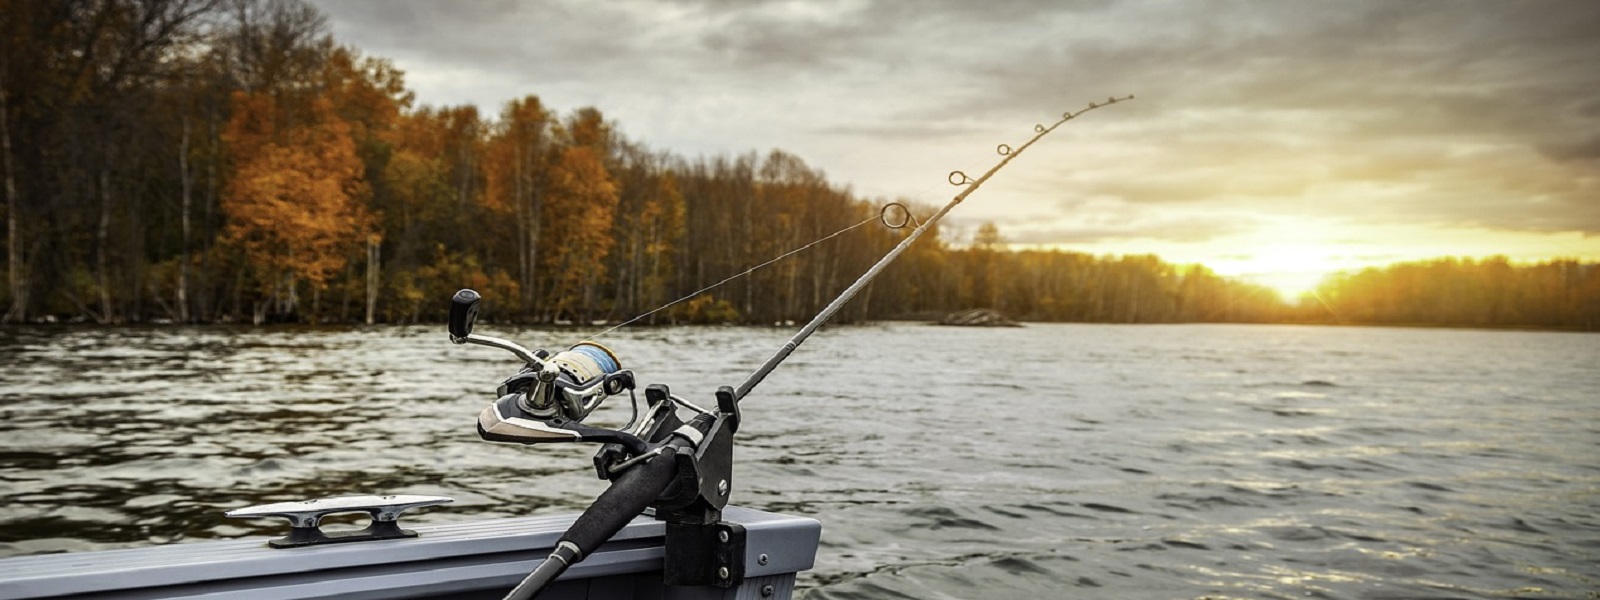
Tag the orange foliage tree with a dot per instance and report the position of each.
(296, 202)
(517, 168)
(579, 208)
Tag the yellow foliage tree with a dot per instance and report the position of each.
(579, 209)
(661, 224)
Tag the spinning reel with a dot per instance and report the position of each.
(549, 398)
(682, 469)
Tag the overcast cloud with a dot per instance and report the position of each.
(1471, 116)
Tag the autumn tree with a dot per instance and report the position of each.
(649, 228)
(986, 244)
(782, 204)
(369, 95)
(579, 211)
(296, 204)
(518, 166)
(718, 193)
(76, 82)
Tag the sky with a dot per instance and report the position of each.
(1271, 141)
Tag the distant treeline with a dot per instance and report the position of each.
(1489, 292)
(227, 160)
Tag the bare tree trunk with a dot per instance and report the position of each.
(238, 294)
(14, 275)
(374, 248)
(209, 309)
(637, 300)
(133, 266)
(791, 301)
(866, 303)
(102, 237)
(464, 190)
(525, 296)
(749, 304)
(183, 255)
(535, 218)
(344, 294)
(291, 296)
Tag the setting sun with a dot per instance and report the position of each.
(1291, 270)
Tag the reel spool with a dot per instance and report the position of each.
(571, 384)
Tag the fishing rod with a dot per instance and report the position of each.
(680, 468)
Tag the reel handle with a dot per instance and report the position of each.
(463, 314)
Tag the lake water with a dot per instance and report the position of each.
(1092, 461)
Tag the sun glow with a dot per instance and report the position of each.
(1289, 269)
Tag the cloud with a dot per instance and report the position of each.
(1579, 150)
(1172, 231)
(1470, 114)
(1281, 104)
(1106, 220)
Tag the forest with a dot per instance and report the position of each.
(205, 161)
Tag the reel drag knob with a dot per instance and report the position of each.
(463, 313)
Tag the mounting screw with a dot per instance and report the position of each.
(766, 591)
(722, 536)
(722, 487)
(722, 572)
(761, 560)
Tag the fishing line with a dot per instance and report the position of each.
(882, 216)
(956, 178)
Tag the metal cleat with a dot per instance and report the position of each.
(305, 516)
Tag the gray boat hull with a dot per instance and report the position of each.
(481, 559)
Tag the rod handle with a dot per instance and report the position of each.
(630, 493)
